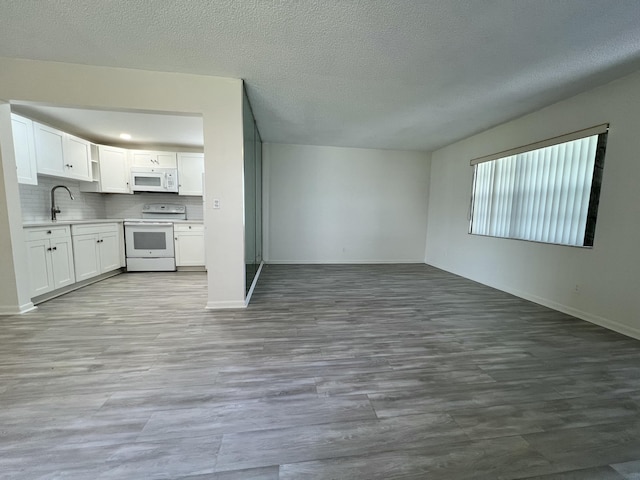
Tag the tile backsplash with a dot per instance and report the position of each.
(130, 206)
(36, 201)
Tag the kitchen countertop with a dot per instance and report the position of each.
(49, 223)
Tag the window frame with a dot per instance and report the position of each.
(596, 181)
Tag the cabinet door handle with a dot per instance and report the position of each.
(54, 248)
(48, 232)
(49, 249)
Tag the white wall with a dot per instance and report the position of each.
(606, 277)
(14, 270)
(218, 100)
(344, 205)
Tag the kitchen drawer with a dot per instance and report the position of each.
(188, 227)
(45, 233)
(94, 228)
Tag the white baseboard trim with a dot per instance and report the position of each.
(342, 262)
(574, 312)
(225, 305)
(19, 310)
(253, 284)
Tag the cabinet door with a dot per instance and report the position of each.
(109, 252)
(143, 159)
(49, 150)
(86, 253)
(189, 249)
(24, 144)
(114, 170)
(40, 270)
(166, 159)
(62, 262)
(77, 158)
(147, 158)
(190, 171)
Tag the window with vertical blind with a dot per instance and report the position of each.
(545, 192)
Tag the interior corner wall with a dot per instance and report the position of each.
(601, 284)
(344, 205)
(14, 278)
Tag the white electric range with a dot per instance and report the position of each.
(149, 240)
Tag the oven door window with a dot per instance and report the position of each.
(149, 240)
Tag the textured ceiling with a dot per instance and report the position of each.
(407, 74)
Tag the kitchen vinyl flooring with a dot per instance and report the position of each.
(333, 372)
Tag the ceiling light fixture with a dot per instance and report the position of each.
(125, 136)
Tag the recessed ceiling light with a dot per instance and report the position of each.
(125, 136)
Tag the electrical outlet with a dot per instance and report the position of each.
(216, 203)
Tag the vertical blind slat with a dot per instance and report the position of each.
(540, 195)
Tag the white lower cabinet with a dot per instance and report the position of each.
(189, 244)
(50, 258)
(86, 255)
(96, 249)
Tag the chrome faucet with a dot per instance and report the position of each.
(54, 209)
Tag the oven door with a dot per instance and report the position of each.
(149, 240)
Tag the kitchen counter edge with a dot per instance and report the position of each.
(85, 222)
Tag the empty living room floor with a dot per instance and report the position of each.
(333, 372)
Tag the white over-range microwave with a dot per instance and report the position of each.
(154, 179)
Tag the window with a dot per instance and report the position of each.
(545, 192)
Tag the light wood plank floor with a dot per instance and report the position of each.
(333, 372)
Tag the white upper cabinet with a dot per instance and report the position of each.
(111, 173)
(149, 158)
(114, 169)
(49, 150)
(24, 144)
(77, 158)
(60, 154)
(190, 171)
